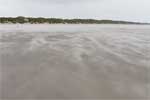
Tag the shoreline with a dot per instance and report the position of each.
(67, 24)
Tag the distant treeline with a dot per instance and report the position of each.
(41, 20)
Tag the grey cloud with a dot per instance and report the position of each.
(132, 10)
(56, 1)
(63, 1)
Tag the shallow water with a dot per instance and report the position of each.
(74, 61)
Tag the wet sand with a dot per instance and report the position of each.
(74, 62)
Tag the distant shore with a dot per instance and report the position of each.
(40, 20)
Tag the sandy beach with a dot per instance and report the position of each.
(60, 61)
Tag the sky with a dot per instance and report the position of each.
(128, 10)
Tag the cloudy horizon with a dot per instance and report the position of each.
(128, 10)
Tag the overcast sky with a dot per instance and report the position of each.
(130, 10)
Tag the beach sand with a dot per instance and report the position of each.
(74, 62)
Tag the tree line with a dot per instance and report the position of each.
(41, 20)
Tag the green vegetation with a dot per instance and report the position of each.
(41, 20)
